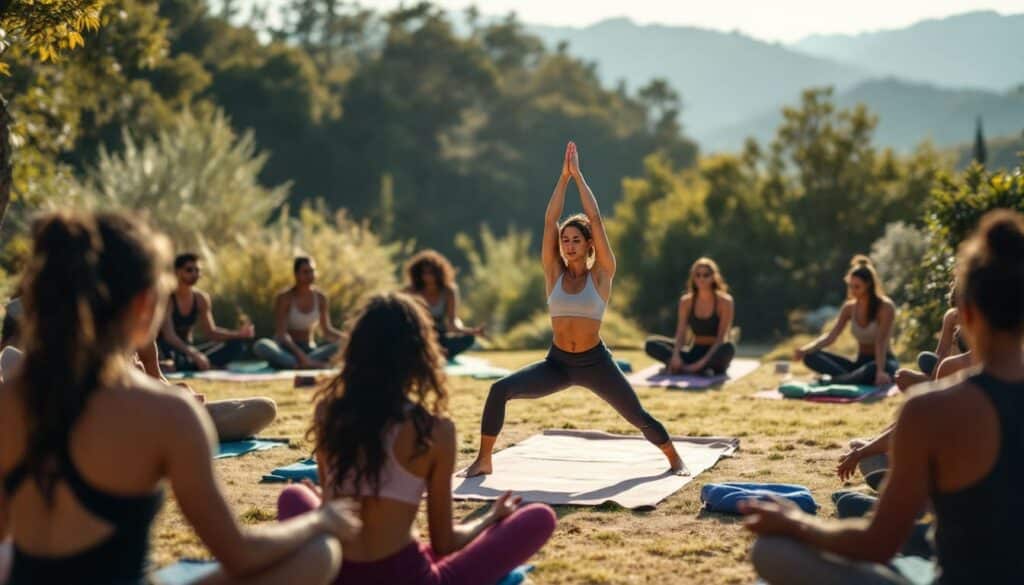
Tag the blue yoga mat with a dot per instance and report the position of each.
(474, 367)
(517, 576)
(725, 497)
(237, 448)
(184, 572)
(305, 469)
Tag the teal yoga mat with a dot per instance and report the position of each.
(305, 469)
(189, 571)
(474, 367)
(238, 448)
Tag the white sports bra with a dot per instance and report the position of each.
(299, 321)
(586, 304)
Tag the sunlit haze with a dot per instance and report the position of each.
(781, 20)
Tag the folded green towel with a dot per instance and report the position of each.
(806, 389)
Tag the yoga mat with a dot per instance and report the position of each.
(656, 376)
(474, 367)
(587, 468)
(305, 469)
(268, 375)
(878, 394)
(238, 448)
(184, 572)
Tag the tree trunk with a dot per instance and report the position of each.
(6, 168)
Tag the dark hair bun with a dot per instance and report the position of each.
(1004, 239)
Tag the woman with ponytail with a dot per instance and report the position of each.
(382, 434)
(958, 445)
(87, 440)
(870, 314)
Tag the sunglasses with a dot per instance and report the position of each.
(191, 270)
(703, 274)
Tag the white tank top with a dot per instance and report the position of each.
(586, 304)
(299, 321)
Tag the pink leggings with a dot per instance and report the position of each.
(492, 555)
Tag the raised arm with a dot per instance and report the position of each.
(829, 338)
(550, 255)
(240, 550)
(604, 259)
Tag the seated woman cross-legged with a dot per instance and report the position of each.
(711, 352)
(958, 444)
(297, 312)
(870, 314)
(382, 435)
(87, 441)
(432, 279)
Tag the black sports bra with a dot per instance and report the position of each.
(707, 327)
(120, 559)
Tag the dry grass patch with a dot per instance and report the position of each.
(781, 441)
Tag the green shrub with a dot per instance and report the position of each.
(952, 212)
(505, 283)
(196, 180)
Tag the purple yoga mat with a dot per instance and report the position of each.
(655, 376)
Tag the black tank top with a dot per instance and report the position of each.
(182, 323)
(704, 327)
(120, 559)
(977, 533)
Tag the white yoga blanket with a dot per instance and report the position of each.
(587, 468)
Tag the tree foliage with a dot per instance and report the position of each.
(782, 221)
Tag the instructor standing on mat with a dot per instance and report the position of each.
(578, 269)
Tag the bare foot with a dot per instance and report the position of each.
(478, 467)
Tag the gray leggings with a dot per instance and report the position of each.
(593, 369)
(783, 561)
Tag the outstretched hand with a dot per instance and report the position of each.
(566, 167)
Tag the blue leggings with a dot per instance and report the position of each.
(593, 369)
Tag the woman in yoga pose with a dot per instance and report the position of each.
(297, 312)
(870, 315)
(971, 473)
(86, 440)
(382, 435)
(432, 279)
(578, 268)
(706, 294)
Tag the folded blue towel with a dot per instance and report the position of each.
(184, 572)
(305, 469)
(725, 497)
(236, 448)
(517, 576)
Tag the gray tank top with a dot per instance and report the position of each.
(586, 304)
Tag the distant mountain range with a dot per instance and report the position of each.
(929, 80)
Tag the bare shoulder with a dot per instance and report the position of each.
(951, 316)
(203, 298)
(943, 395)
(724, 297)
(686, 299)
(444, 430)
(147, 397)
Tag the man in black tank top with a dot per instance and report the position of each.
(188, 307)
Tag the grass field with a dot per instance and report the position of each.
(781, 441)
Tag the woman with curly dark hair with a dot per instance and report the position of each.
(578, 268)
(382, 435)
(431, 278)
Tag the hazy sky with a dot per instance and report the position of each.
(773, 20)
